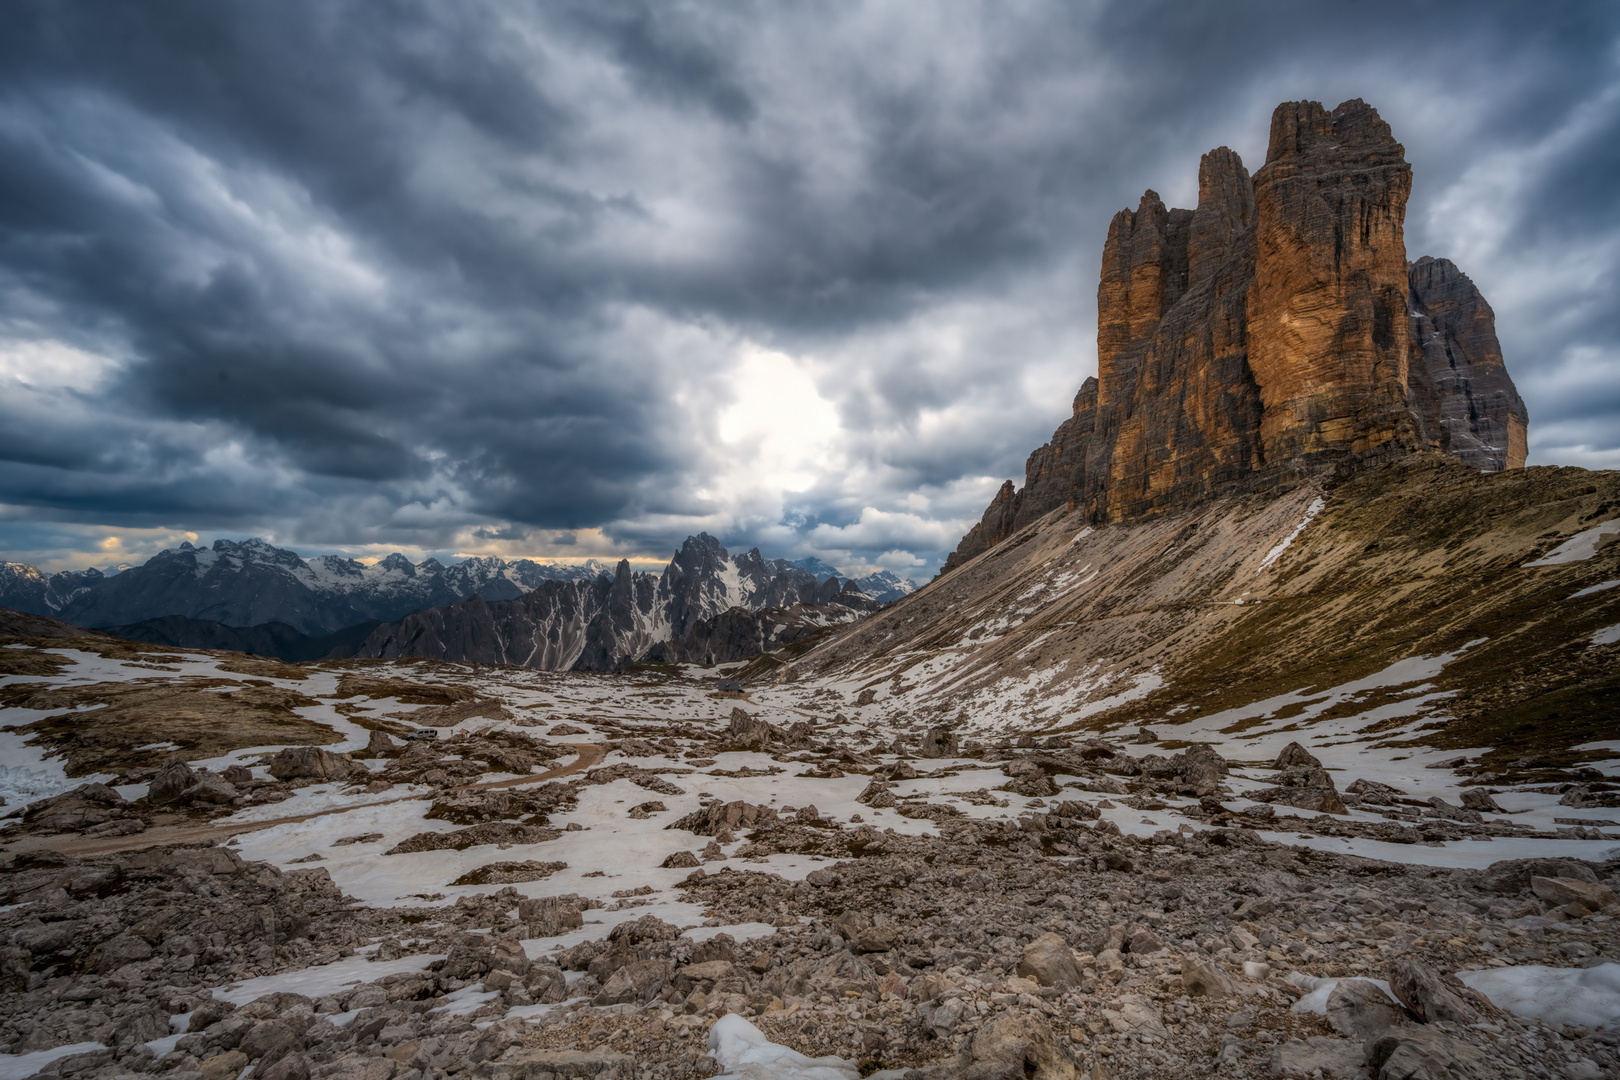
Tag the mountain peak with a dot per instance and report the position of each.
(1209, 383)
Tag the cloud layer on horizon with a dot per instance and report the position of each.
(558, 280)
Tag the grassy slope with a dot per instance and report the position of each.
(1417, 558)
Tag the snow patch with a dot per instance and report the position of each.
(1316, 507)
(745, 1053)
(1580, 547)
(1580, 997)
(1601, 586)
(1607, 636)
(17, 1066)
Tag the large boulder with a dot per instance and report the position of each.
(937, 743)
(169, 784)
(1411, 1052)
(1202, 978)
(1357, 1009)
(715, 817)
(297, 762)
(1295, 756)
(1049, 961)
(1511, 875)
(211, 788)
(1429, 995)
(1561, 890)
(1017, 1046)
(641, 980)
(1319, 1056)
(548, 916)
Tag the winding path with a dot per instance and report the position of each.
(198, 833)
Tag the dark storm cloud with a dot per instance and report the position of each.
(450, 275)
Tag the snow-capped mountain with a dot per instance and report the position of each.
(25, 588)
(596, 625)
(484, 609)
(883, 586)
(252, 582)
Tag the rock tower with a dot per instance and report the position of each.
(1275, 332)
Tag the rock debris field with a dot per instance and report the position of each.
(636, 876)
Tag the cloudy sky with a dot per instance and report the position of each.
(567, 280)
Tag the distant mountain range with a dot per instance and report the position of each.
(253, 583)
(254, 597)
(706, 607)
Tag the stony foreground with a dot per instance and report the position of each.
(977, 952)
(630, 876)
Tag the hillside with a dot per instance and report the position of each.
(1398, 603)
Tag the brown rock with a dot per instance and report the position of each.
(1358, 1009)
(1328, 340)
(224, 1066)
(1295, 756)
(1428, 994)
(718, 816)
(1049, 961)
(1561, 890)
(170, 781)
(1265, 336)
(638, 981)
(1017, 1045)
(313, 762)
(1201, 978)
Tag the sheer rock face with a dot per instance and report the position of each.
(1272, 333)
(1457, 370)
(1327, 314)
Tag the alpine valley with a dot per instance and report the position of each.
(1267, 730)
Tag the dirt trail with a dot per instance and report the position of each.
(589, 754)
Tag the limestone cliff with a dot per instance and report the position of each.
(1275, 332)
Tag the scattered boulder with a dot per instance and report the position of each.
(715, 817)
(680, 860)
(170, 782)
(1513, 875)
(1428, 994)
(380, 745)
(1481, 801)
(1295, 756)
(548, 916)
(313, 762)
(1414, 1053)
(750, 732)
(1562, 890)
(1201, 978)
(938, 743)
(876, 939)
(1357, 1009)
(1371, 791)
(639, 981)
(1015, 1046)
(210, 788)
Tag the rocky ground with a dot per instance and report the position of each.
(898, 901)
